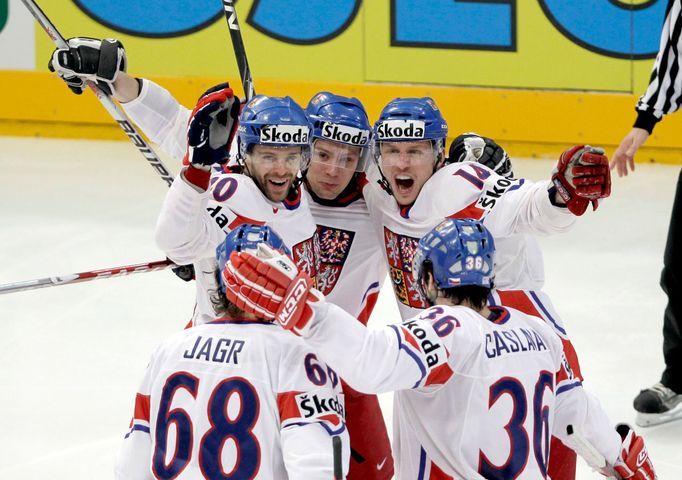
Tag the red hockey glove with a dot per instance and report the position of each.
(211, 127)
(582, 176)
(633, 461)
(270, 286)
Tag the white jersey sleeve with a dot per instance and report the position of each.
(506, 206)
(312, 412)
(583, 411)
(161, 118)
(132, 461)
(396, 357)
(184, 231)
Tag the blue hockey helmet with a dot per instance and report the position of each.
(245, 238)
(472, 147)
(341, 120)
(273, 121)
(460, 252)
(410, 120)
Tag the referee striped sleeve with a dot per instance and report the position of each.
(664, 93)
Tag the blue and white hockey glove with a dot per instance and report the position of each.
(211, 127)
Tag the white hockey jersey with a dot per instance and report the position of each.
(352, 267)
(476, 398)
(510, 209)
(192, 224)
(235, 397)
(351, 263)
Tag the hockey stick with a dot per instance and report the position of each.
(239, 50)
(586, 450)
(84, 276)
(113, 109)
(338, 458)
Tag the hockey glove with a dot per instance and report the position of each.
(582, 176)
(269, 285)
(471, 147)
(633, 461)
(89, 59)
(185, 272)
(211, 127)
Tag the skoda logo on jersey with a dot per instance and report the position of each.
(401, 130)
(294, 134)
(344, 134)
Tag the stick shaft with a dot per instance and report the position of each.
(239, 50)
(586, 450)
(84, 276)
(338, 458)
(114, 110)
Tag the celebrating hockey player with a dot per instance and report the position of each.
(418, 190)
(478, 390)
(351, 265)
(273, 140)
(235, 395)
(351, 268)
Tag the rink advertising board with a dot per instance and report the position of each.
(535, 59)
(547, 44)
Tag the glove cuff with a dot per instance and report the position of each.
(197, 176)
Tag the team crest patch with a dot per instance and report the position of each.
(306, 256)
(400, 251)
(334, 249)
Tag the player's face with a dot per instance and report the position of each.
(332, 167)
(274, 169)
(407, 166)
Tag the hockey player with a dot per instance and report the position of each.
(351, 262)
(273, 142)
(419, 191)
(236, 396)
(351, 269)
(478, 389)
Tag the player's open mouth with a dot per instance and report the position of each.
(403, 183)
(278, 184)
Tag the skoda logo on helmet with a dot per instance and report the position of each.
(401, 130)
(295, 134)
(344, 134)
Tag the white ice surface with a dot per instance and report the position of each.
(71, 356)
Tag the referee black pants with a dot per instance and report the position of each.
(671, 282)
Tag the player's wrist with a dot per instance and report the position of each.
(554, 197)
(198, 176)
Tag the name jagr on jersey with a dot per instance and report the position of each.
(215, 349)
